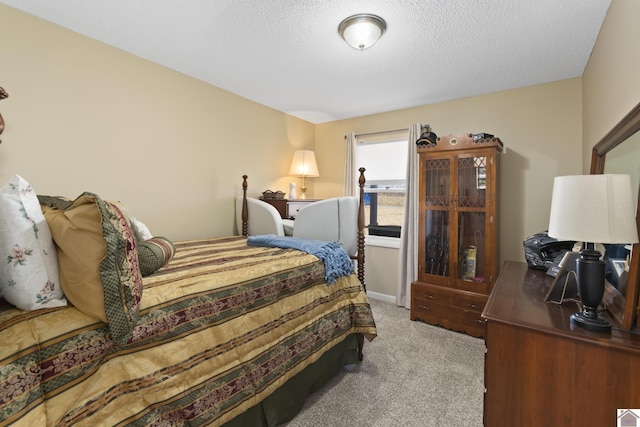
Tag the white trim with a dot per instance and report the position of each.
(382, 242)
(381, 297)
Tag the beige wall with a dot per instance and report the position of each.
(540, 127)
(611, 80)
(83, 116)
(381, 272)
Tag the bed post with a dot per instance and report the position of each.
(245, 208)
(360, 254)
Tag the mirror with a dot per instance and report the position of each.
(619, 152)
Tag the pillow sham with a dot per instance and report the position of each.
(154, 254)
(97, 258)
(29, 276)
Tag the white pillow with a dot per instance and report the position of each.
(28, 261)
(140, 230)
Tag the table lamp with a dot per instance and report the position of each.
(592, 209)
(304, 165)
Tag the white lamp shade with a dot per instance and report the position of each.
(362, 31)
(593, 208)
(304, 164)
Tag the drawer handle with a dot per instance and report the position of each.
(474, 305)
(425, 307)
(478, 320)
(429, 296)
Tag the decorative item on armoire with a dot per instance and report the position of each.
(3, 95)
(427, 136)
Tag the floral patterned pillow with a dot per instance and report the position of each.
(28, 262)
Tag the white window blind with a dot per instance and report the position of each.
(385, 162)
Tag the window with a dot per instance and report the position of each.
(385, 158)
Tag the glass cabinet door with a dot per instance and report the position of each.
(437, 216)
(471, 212)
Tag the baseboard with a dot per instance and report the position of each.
(381, 297)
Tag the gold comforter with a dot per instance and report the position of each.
(222, 326)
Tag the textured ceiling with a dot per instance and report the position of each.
(287, 54)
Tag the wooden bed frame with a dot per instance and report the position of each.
(359, 257)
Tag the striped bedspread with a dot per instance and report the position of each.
(222, 326)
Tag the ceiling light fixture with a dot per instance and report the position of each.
(362, 31)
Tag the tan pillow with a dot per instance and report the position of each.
(97, 259)
(78, 234)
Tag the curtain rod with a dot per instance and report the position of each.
(382, 132)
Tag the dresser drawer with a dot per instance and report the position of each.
(294, 207)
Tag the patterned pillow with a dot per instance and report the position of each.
(97, 259)
(28, 263)
(154, 253)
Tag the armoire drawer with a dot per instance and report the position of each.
(457, 310)
(461, 299)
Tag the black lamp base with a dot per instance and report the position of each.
(597, 324)
(590, 278)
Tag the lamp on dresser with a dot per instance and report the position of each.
(304, 165)
(592, 209)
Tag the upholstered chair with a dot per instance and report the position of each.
(263, 218)
(330, 220)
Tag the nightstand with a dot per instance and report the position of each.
(289, 208)
(294, 205)
(279, 204)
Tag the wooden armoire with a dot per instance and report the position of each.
(458, 231)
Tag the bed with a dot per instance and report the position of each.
(224, 333)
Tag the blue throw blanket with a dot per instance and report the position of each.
(335, 258)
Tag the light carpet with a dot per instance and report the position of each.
(413, 374)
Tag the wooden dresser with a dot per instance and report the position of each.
(542, 371)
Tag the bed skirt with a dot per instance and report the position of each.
(287, 401)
